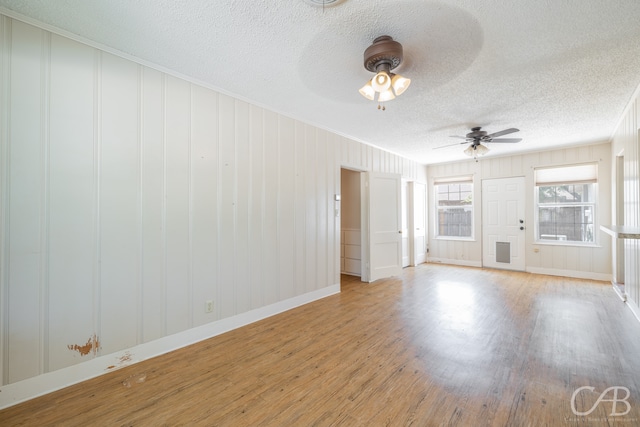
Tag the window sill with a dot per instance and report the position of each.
(459, 239)
(566, 243)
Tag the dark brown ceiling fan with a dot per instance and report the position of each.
(477, 137)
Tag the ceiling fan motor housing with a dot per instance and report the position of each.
(384, 54)
(476, 133)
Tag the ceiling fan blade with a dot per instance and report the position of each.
(450, 145)
(505, 140)
(502, 132)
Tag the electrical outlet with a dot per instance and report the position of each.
(208, 306)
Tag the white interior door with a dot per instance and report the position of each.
(385, 250)
(406, 249)
(503, 213)
(419, 193)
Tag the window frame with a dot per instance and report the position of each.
(564, 182)
(437, 208)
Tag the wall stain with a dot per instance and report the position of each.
(92, 346)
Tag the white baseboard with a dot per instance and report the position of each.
(462, 262)
(619, 289)
(634, 308)
(420, 259)
(12, 394)
(605, 277)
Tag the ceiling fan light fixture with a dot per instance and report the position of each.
(475, 150)
(381, 82)
(387, 95)
(368, 92)
(469, 151)
(481, 150)
(399, 84)
(381, 57)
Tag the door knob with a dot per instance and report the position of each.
(400, 231)
(522, 221)
(521, 228)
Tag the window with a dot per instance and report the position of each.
(566, 204)
(454, 205)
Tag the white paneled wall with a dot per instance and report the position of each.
(626, 142)
(578, 261)
(129, 197)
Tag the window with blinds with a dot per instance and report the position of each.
(454, 207)
(566, 203)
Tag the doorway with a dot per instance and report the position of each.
(503, 225)
(370, 224)
(350, 223)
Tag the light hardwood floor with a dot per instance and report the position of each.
(439, 346)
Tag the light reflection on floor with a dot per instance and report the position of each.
(457, 304)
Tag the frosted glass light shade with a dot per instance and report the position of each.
(387, 95)
(478, 150)
(400, 84)
(381, 82)
(469, 151)
(367, 91)
(481, 150)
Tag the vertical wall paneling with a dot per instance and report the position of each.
(96, 263)
(311, 200)
(140, 236)
(300, 178)
(334, 186)
(257, 202)
(119, 204)
(152, 268)
(45, 74)
(322, 228)
(72, 195)
(130, 197)
(271, 194)
(5, 49)
(243, 209)
(177, 194)
(286, 207)
(627, 139)
(226, 206)
(26, 179)
(203, 205)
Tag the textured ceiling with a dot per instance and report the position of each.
(560, 71)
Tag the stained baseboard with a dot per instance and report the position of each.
(12, 394)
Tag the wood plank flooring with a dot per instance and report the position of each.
(439, 346)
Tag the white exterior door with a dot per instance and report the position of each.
(503, 213)
(385, 233)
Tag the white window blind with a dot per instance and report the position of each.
(454, 180)
(577, 174)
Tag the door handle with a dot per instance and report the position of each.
(521, 228)
(400, 231)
